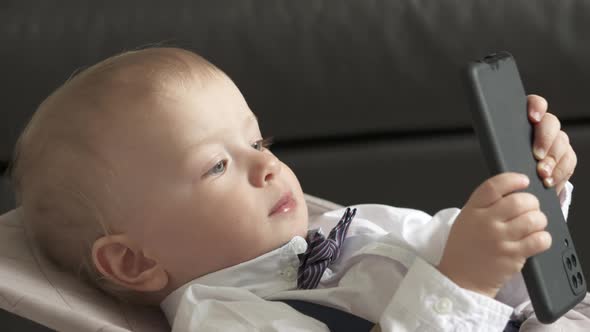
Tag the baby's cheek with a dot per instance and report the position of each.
(292, 179)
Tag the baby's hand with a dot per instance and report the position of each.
(556, 157)
(494, 234)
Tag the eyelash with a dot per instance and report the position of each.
(262, 144)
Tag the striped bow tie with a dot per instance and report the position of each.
(321, 252)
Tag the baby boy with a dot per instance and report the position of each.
(147, 174)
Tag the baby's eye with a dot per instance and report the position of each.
(262, 144)
(219, 168)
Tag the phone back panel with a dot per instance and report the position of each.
(554, 278)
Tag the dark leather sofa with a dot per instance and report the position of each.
(365, 99)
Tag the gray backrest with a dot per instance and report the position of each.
(356, 67)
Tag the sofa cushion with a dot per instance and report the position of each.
(376, 66)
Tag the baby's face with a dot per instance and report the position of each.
(197, 191)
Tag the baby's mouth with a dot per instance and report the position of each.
(285, 204)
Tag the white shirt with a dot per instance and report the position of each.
(386, 274)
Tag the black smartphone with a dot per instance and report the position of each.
(554, 278)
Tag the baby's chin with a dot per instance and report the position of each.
(304, 227)
(301, 229)
(301, 221)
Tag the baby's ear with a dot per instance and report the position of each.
(121, 262)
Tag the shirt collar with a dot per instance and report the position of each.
(264, 275)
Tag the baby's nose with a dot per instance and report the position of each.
(265, 169)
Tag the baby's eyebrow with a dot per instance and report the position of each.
(250, 120)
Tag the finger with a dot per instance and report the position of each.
(525, 224)
(559, 147)
(497, 187)
(535, 243)
(536, 107)
(545, 133)
(515, 204)
(563, 170)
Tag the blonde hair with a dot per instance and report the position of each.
(55, 164)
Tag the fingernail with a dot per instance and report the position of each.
(536, 116)
(539, 152)
(548, 182)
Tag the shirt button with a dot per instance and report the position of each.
(443, 306)
(290, 273)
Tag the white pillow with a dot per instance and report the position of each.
(32, 287)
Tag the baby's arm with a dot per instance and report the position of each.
(424, 298)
